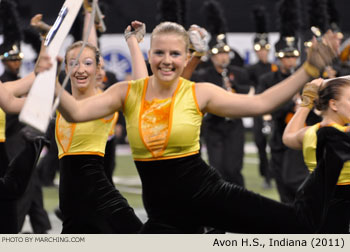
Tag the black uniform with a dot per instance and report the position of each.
(13, 140)
(224, 137)
(188, 194)
(255, 71)
(287, 165)
(13, 184)
(48, 164)
(31, 201)
(111, 145)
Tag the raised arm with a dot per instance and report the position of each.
(94, 107)
(134, 34)
(295, 130)
(9, 90)
(215, 100)
(92, 35)
(294, 133)
(21, 86)
(8, 102)
(199, 43)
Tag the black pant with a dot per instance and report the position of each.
(32, 204)
(109, 158)
(181, 195)
(3, 159)
(48, 165)
(294, 172)
(338, 216)
(289, 171)
(89, 202)
(225, 146)
(261, 143)
(13, 184)
(276, 162)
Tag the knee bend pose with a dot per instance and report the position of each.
(88, 200)
(163, 115)
(332, 99)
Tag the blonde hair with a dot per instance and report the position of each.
(88, 45)
(173, 28)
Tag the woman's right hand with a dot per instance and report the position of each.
(199, 39)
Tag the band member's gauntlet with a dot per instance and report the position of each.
(199, 39)
(320, 55)
(139, 32)
(309, 95)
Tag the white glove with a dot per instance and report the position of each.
(139, 31)
(199, 39)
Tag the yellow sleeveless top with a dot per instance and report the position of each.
(113, 123)
(309, 152)
(87, 138)
(2, 125)
(162, 129)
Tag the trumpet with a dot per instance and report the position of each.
(225, 80)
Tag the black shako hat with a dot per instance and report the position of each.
(261, 38)
(10, 49)
(287, 45)
(216, 26)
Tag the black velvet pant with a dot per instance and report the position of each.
(338, 217)
(181, 195)
(3, 159)
(32, 204)
(110, 158)
(88, 200)
(14, 182)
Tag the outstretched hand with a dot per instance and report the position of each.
(322, 53)
(40, 25)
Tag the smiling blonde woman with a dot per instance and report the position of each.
(163, 112)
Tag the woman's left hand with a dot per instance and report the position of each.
(137, 29)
